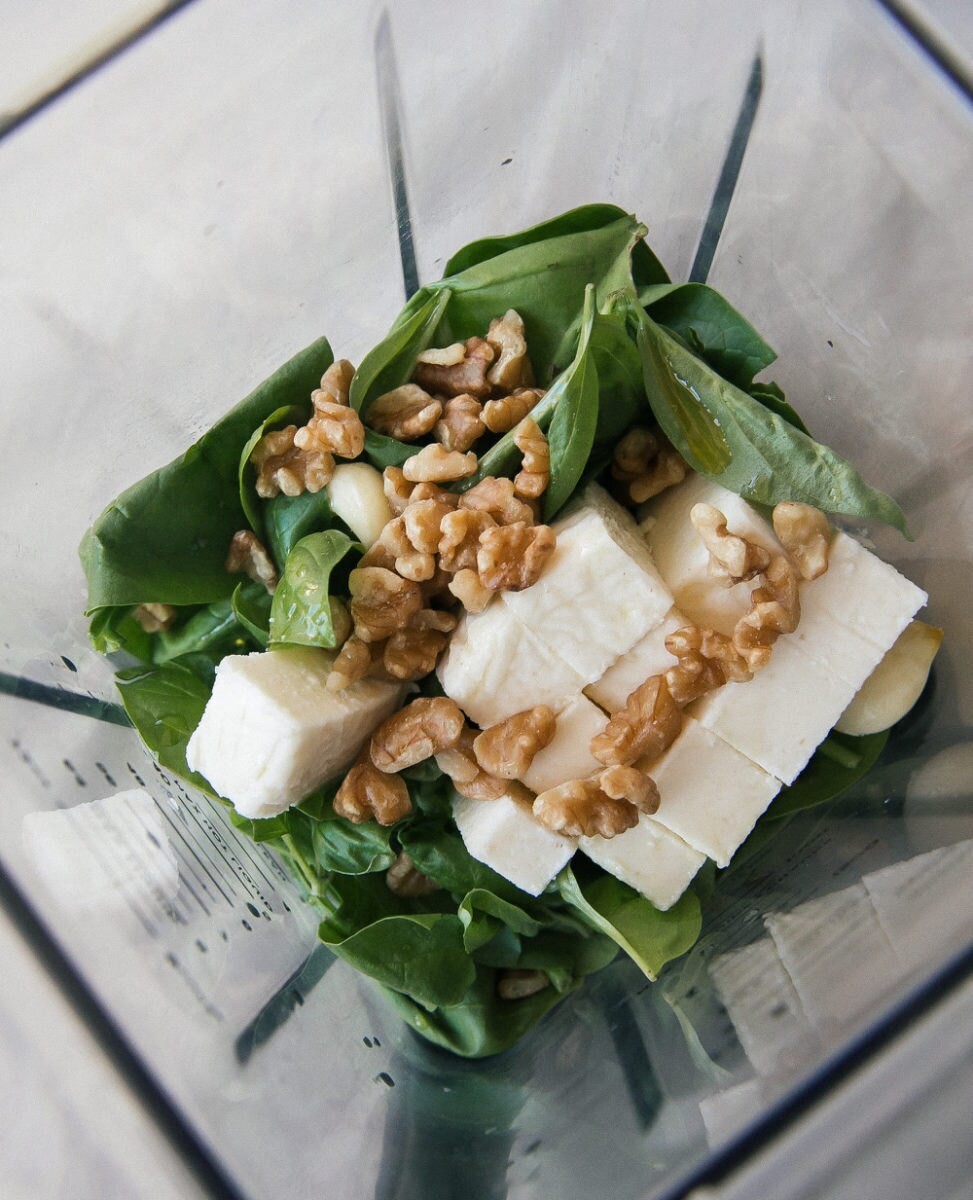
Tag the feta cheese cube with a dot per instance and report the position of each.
(503, 834)
(649, 858)
(272, 732)
(683, 560)
(711, 795)
(646, 658)
(495, 666)
(600, 591)
(568, 754)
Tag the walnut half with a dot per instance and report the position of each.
(426, 726)
(579, 808)
(507, 749)
(367, 794)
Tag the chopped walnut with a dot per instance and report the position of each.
(335, 383)
(398, 490)
(512, 557)
(579, 808)
(442, 356)
(645, 464)
(405, 879)
(353, 663)
(412, 653)
(155, 618)
(282, 466)
(805, 534)
(468, 376)
(532, 479)
(406, 413)
(436, 464)
(504, 413)
(461, 423)
(507, 749)
(495, 495)
(367, 794)
(248, 554)
(423, 728)
(668, 469)
(468, 777)
(432, 491)
(516, 983)
(732, 558)
(507, 337)
(633, 785)
(381, 602)
(466, 587)
(334, 426)
(459, 537)
(775, 608)
(634, 454)
(423, 519)
(393, 550)
(695, 672)
(648, 724)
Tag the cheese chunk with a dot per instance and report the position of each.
(711, 795)
(495, 666)
(503, 834)
(649, 858)
(600, 591)
(683, 560)
(272, 732)
(646, 658)
(568, 754)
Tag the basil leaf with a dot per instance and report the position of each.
(712, 328)
(164, 540)
(165, 704)
(393, 360)
(649, 937)
(572, 431)
(290, 518)
(251, 607)
(301, 610)
(726, 434)
(290, 414)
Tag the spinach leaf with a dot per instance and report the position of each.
(836, 764)
(772, 397)
(567, 958)
(350, 849)
(290, 414)
(726, 434)
(482, 913)
(251, 607)
(213, 631)
(649, 937)
(301, 610)
(438, 851)
(289, 518)
(382, 451)
(115, 629)
(393, 360)
(572, 431)
(621, 389)
(712, 328)
(165, 704)
(165, 539)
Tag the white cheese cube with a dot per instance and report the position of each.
(568, 754)
(649, 858)
(646, 658)
(272, 732)
(503, 834)
(600, 591)
(495, 666)
(683, 560)
(863, 593)
(711, 795)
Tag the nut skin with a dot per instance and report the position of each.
(367, 794)
(644, 464)
(515, 983)
(353, 663)
(423, 728)
(154, 618)
(466, 587)
(412, 653)
(282, 466)
(805, 534)
(507, 749)
(579, 808)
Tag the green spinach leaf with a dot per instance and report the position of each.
(482, 913)
(301, 610)
(213, 631)
(165, 704)
(251, 606)
(393, 360)
(290, 414)
(114, 630)
(290, 518)
(350, 849)
(836, 764)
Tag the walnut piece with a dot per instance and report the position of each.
(695, 673)
(645, 464)
(468, 777)
(496, 495)
(353, 663)
(466, 377)
(424, 727)
(805, 534)
(397, 488)
(732, 558)
(648, 724)
(248, 554)
(516, 983)
(534, 475)
(775, 608)
(366, 794)
(507, 749)
(436, 464)
(154, 618)
(512, 557)
(579, 808)
(442, 356)
(405, 879)
(461, 423)
(406, 412)
(334, 426)
(394, 549)
(282, 466)
(634, 454)
(412, 653)
(633, 785)
(381, 602)
(466, 587)
(508, 339)
(503, 413)
(423, 519)
(459, 538)
(335, 383)
(668, 469)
